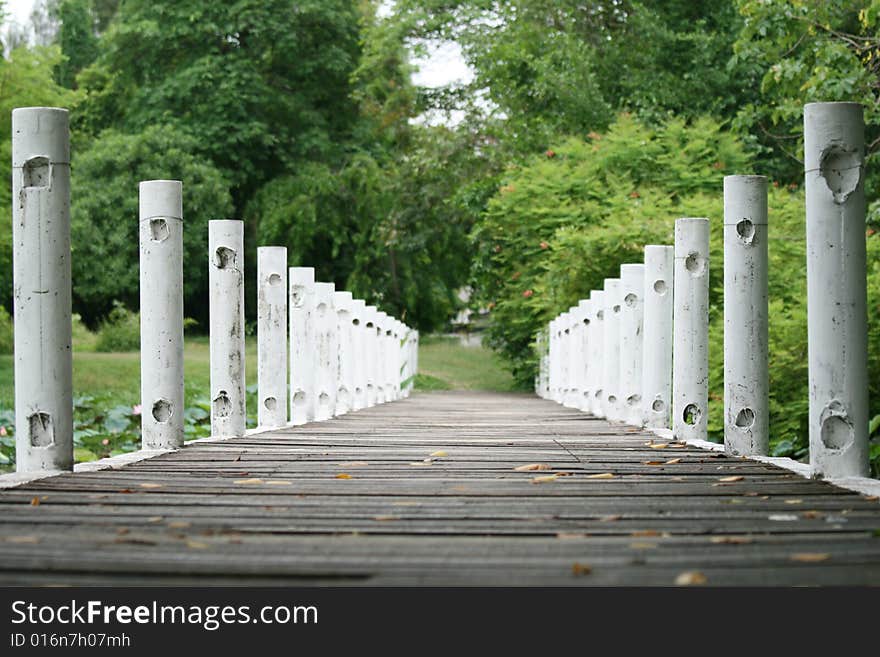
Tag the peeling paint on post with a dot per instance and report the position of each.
(345, 384)
(632, 292)
(746, 412)
(585, 310)
(272, 336)
(597, 352)
(371, 353)
(226, 303)
(160, 228)
(657, 348)
(302, 347)
(834, 146)
(690, 353)
(326, 350)
(358, 353)
(41, 276)
(611, 345)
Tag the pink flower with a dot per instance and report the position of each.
(3, 431)
(106, 441)
(136, 409)
(528, 293)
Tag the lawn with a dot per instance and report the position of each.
(447, 364)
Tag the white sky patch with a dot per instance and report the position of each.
(19, 10)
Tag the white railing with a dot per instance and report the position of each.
(637, 351)
(344, 355)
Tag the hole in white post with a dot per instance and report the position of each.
(600, 315)
(841, 169)
(746, 230)
(321, 309)
(270, 403)
(274, 279)
(36, 172)
(633, 400)
(222, 405)
(660, 286)
(631, 300)
(658, 406)
(297, 295)
(41, 430)
(598, 393)
(566, 331)
(745, 418)
(162, 410)
(616, 309)
(587, 321)
(224, 258)
(356, 321)
(159, 230)
(692, 414)
(612, 399)
(695, 264)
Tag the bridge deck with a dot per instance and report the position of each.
(353, 500)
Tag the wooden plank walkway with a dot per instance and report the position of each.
(279, 508)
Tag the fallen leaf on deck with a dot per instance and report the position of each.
(22, 539)
(871, 498)
(195, 545)
(248, 481)
(385, 518)
(569, 535)
(154, 519)
(35, 501)
(122, 531)
(601, 475)
(532, 466)
(578, 569)
(659, 445)
(810, 557)
(691, 578)
(653, 462)
(134, 541)
(279, 482)
(731, 478)
(148, 484)
(794, 501)
(179, 524)
(731, 540)
(673, 461)
(343, 475)
(642, 546)
(611, 518)
(782, 517)
(811, 514)
(125, 490)
(645, 532)
(544, 480)
(439, 453)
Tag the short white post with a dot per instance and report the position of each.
(302, 345)
(160, 228)
(632, 310)
(690, 353)
(415, 361)
(344, 305)
(226, 307)
(657, 349)
(358, 353)
(41, 276)
(371, 353)
(834, 148)
(387, 364)
(401, 362)
(552, 358)
(611, 345)
(575, 357)
(597, 353)
(746, 388)
(326, 350)
(272, 336)
(585, 311)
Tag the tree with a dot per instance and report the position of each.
(77, 39)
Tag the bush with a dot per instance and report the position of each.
(121, 331)
(6, 339)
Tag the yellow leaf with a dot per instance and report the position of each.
(22, 539)
(659, 445)
(179, 524)
(195, 545)
(732, 478)
(642, 546)
(653, 462)
(673, 461)
(544, 480)
(794, 501)
(645, 532)
(150, 485)
(532, 466)
(810, 557)
(439, 453)
(601, 475)
(35, 501)
(691, 578)
(154, 519)
(279, 482)
(248, 481)
(343, 475)
(580, 569)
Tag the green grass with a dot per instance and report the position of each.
(446, 364)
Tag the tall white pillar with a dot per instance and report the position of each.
(358, 353)
(690, 353)
(160, 228)
(345, 379)
(371, 351)
(632, 310)
(611, 344)
(41, 276)
(746, 388)
(657, 345)
(585, 311)
(302, 345)
(387, 365)
(575, 357)
(597, 353)
(834, 149)
(326, 351)
(226, 303)
(272, 336)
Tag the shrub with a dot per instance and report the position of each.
(121, 331)
(6, 339)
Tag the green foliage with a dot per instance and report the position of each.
(6, 336)
(104, 225)
(120, 331)
(79, 45)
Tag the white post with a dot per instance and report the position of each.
(834, 147)
(302, 346)
(690, 353)
(415, 352)
(345, 384)
(564, 355)
(41, 275)
(358, 353)
(371, 353)
(400, 351)
(552, 357)
(324, 320)
(160, 227)
(597, 353)
(585, 365)
(226, 281)
(387, 357)
(574, 358)
(611, 384)
(632, 292)
(657, 350)
(272, 336)
(746, 388)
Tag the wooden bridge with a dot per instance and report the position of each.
(434, 490)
